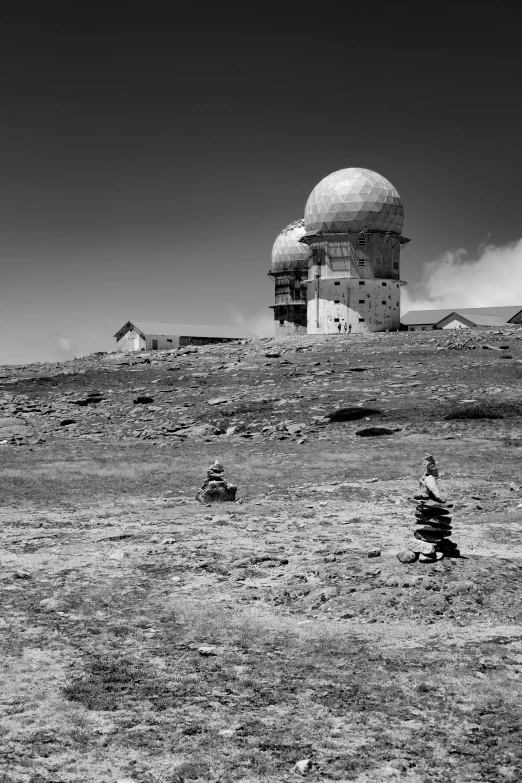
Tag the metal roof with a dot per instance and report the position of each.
(417, 317)
(413, 317)
(481, 320)
(192, 330)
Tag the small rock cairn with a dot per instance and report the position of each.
(431, 540)
(216, 489)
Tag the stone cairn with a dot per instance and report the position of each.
(216, 489)
(431, 539)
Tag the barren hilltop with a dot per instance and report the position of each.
(150, 638)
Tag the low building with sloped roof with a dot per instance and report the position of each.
(463, 317)
(158, 335)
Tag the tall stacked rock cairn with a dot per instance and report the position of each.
(216, 489)
(431, 540)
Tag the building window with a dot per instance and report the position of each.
(361, 320)
(336, 320)
(281, 323)
(361, 282)
(383, 301)
(362, 240)
(169, 341)
(362, 262)
(154, 345)
(337, 284)
(337, 301)
(395, 265)
(361, 301)
(384, 284)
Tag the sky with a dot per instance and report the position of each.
(149, 159)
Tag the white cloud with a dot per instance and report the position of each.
(492, 278)
(262, 323)
(64, 343)
(62, 347)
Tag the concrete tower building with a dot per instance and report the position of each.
(290, 273)
(354, 220)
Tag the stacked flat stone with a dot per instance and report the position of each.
(431, 541)
(216, 489)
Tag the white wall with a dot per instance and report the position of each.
(369, 305)
(164, 341)
(288, 328)
(455, 325)
(131, 341)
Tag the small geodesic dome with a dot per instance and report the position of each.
(354, 200)
(288, 252)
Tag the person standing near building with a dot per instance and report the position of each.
(345, 327)
(339, 327)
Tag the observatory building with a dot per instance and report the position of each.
(354, 220)
(290, 272)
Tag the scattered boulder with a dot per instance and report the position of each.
(54, 605)
(207, 650)
(200, 431)
(93, 398)
(431, 558)
(303, 766)
(369, 432)
(235, 429)
(218, 401)
(352, 414)
(421, 547)
(407, 556)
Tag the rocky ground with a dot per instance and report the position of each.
(150, 638)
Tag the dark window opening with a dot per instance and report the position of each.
(337, 301)
(362, 240)
(361, 320)
(361, 301)
(361, 282)
(384, 284)
(383, 301)
(337, 284)
(362, 262)
(336, 320)
(154, 345)
(395, 265)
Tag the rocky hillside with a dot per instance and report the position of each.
(147, 637)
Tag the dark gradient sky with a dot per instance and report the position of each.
(149, 161)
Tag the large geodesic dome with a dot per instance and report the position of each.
(288, 252)
(354, 200)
